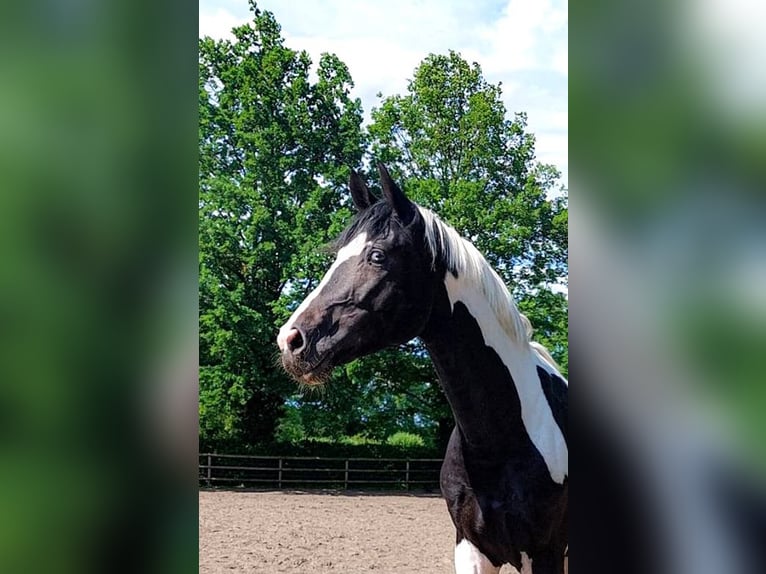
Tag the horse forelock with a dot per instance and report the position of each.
(375, 221)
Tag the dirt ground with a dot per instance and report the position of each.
(279, 532)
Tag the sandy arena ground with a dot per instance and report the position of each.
(279, 532)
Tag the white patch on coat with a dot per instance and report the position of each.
(351, 249)
(506, 330)
(470, 560)
(521, 360)
(526, 563)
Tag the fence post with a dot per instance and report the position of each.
(279, 480)
(345, 479)
(407, 476)
(209, 469)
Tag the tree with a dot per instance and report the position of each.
(274, 151)
(450, 142)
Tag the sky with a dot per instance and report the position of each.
(521, 44)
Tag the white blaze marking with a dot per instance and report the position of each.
(521, 361)
(469, 560)
(352, 249)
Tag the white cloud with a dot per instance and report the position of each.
(521, 43)
(218, 22)
(520, 38)
(561, 60)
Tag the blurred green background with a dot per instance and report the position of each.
(97, 286)
(668, 283)
(668, 140)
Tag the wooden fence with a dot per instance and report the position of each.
(233, 470)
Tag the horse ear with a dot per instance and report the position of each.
(395, 197)
(360, 192)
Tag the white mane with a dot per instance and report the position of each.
(460, 255)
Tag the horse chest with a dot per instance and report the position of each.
(503, 508)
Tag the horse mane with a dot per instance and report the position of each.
(462, 259)
(545, 354)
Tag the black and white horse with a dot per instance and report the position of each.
(401, 273)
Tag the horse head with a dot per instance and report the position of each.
(377, 293)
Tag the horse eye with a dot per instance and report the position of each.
(377, 256)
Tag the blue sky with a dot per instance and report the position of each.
(521, 43)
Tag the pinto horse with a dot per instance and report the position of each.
(401, 273)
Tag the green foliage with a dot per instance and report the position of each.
(548, 313)
(395, 389)
(290, 428)
(405, 439)
(357, 439)
(323, 447)
(275, 147)
(267, 136)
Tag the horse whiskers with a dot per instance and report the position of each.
(318, 389)
(277, 359)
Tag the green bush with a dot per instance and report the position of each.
(290, 428)
(357, 439)
(405, 440)
(323, 448)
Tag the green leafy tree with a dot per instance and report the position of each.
(451, 142)
(274, 150)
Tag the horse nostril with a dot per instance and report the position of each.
(294, 340)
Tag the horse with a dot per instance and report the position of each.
(400, 273)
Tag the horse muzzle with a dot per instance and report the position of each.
(299, 362)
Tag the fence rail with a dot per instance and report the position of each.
(279, 472)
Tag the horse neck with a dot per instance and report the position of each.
(471, 353)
